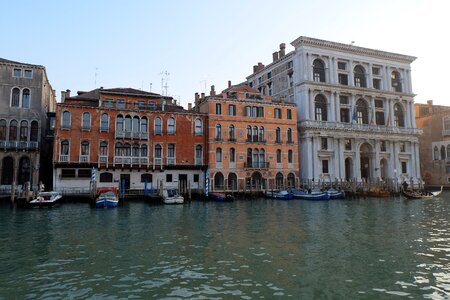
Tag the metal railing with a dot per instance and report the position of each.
(19, 145)
(256, 165)
(84, 158)
(131, 135)
(358, 127)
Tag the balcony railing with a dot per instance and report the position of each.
(198, 162)
(198, 132)
(170, 161)
(64, 158)
(311, 124)
(84, 158)
(19, 145)
(103, 159)
(232, 139)
(131, 135)
(256, 165)
(446, 132)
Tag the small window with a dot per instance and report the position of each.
(109, 103)
(84, 173)
(218, 109)
(198, 127)
(106, 177)
(158, 126)
(290, 156)
(324, 144)
(377, 83)
(67, 173)
(376, 70)
(26, 98)
(402, 147)
(28, 74)
(168, 177)
(279, 156)
(343, 100)
(171, 126)
(17, 73)
(120, 104)
(404, 167)
(343, 79)
(383, 146)
(146, 178)
(66, 120)
(348, 144)
(104, 122)
(232, 110)
(219, 155)
(342, 65)
(277, 113)
(325, 166)
(289, 114)
(196, 178)
(15, 97)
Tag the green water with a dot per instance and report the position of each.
(259, 249)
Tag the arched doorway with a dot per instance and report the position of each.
(24, 170)
(7, 170)
(218, 181)
(232, 181)
(279, 181)
(291, 180)
(348, 168)
(384, 169)
(257, 180)
(365, 153)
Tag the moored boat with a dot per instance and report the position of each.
(336, 194)
(171, 196)
(45, 199)
(281, 195)
(220, 197)
(310, 195)
(417, 194)
(107, 199)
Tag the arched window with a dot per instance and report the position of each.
(249, 133)
(158, 153)
(158, 125)
(34, 131)
(262, 158)
(448, 152)
(436, 153)
(290, 156)
(261, 134)
(249, 157)
(24, 170)
(26, 98)
(219, 155)
(359, 76)
(135, 125)
(219, 181)
(255, 158)
(232, 155)
(86, 121)
(278, 135)
(135, 150)
(198, 127)
(171, 125)
(279, 178)
(103, 148)
(198, 155)
(118, 149)
(66, 120)
(2, 130)
(15, 97)
(255, 133)
(319, 70)
(396, 81)
(84, 148)
(104, 123)
(128, 123)
(218, 109)
(65, 147)
(119, 123)
(279, 159)
(399, 117)
(362, 112)
(291, 180)
(231, 134)
(13, 130)
(7, 166)
(171, 154)
(144, 151)
(144, 125)
(126, 149)
(320, 104)
(232, 181)
(218, 133)
(106, 177)
(443, 152)
(23, 136)
(289, 135)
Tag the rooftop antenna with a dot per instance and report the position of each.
(204, 81)
(164, 80)
(95, 77)
(150, 87)
(352, 43)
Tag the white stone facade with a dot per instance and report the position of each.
(355, 109)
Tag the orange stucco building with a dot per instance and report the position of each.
(252, 140)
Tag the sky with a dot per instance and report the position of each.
(89, 44)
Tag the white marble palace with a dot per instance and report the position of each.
(354, 106)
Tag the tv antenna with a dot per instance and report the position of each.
(95, 77)
(164, 80)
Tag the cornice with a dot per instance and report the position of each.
(307, 41)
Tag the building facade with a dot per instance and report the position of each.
(26, 99)
(252, 140)
(434, 143)
(130, 138)
(355, 109)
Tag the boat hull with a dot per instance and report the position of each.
(220, 197)
(307, 196)
(279, 195)
(106, 203)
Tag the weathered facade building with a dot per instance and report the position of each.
(26, 100)
(354, 106)
(252, 140)
(434, 143)
(130, 137)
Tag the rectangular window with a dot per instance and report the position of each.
(259, 79)
(348, 144)
(404, 167)
(379, 117)
(383, 146)
(232, 110)
(448, 171)
(290, 64)
(196, 178)
(343, 79)
(109, 103)
(345, 115)
(325, 166)
(402, 147)
(289, 114)
(379, 103)
(17, 73)
(269, 75)
(343, 100)
(218, 109)
(277, 113)
(376, 70)
(28, 74)
(377, 83)
(120, 104)
(67, 173)
(342, 65)
(84, 173)
(260, 112)
(324, 144)
(168, 177)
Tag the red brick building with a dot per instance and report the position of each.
(129, 136)
(252, 140)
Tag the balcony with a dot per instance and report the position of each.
(198, 132)
(232, 139)
(198, 162)
(278, 142)
(19, 145)
(64, 158)
(311, 124)
(103, 159)
(131, 135)
(171, 161)
(84, 158)
(256, 166)
(446, 132)
(218, 139)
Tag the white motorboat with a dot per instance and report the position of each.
(45, 199)
(171, 196)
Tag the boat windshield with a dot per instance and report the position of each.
(172, 193)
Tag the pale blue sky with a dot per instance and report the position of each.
(129, 43)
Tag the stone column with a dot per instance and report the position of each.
(351, 81)
(305, 99)
(336, 157)
(312, 159)
(409, 83)
(377, 159)
(369, 77)
(332, 107)
(391, 112)
(312, 115)
(308, 67)
(416, 159)
(337, 106)
(387, 79)
(357, 165)
(372, 119)
(408, 114)
(413, 115)
(305, 63)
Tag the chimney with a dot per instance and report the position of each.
(189, 106)
(255, 68)
(229, 83)
(213, 91)
(197, 100)
(282, 49)
(63, 96)
(202, 96)
(175, 101)
(67, 93)
(260, 66)
(430, 102)
(275, 56)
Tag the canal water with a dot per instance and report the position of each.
(247, 249)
